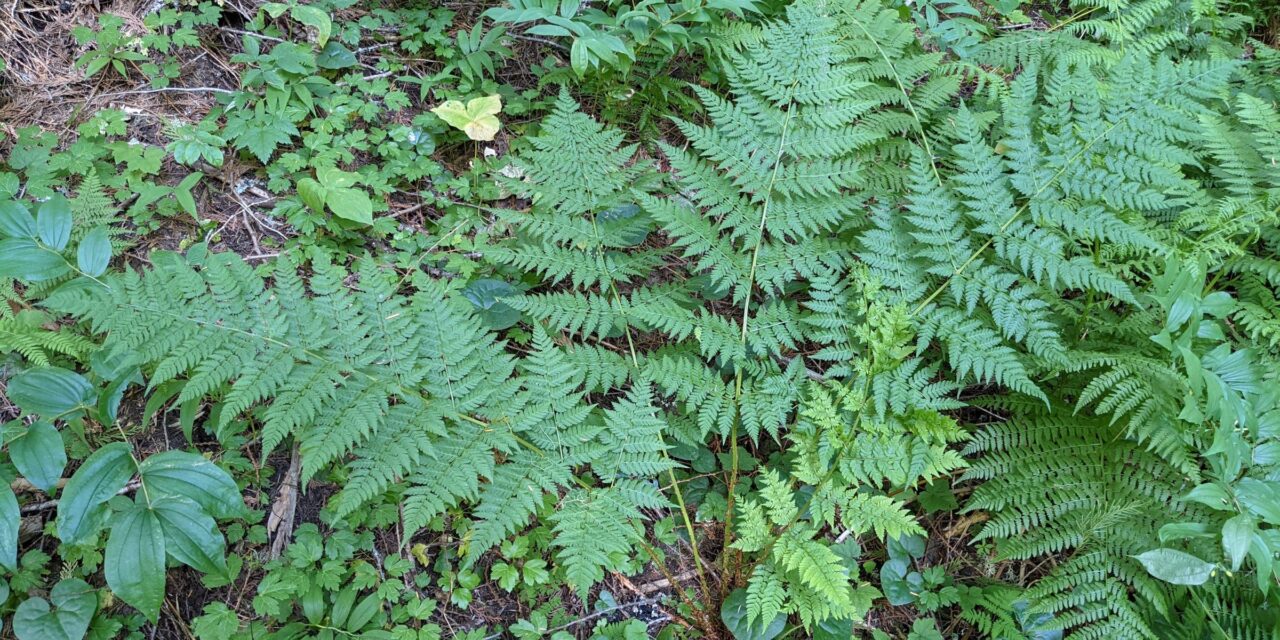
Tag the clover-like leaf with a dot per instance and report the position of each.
(478, 118)
(65, 616)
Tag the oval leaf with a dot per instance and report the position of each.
(1176, 567)
(1237, 534)
(94, 252)
(195, 478)
(352, 204)
(134, 560)
(10, 522)
(22, 258)
(39, 455)
(191, 536)
(50, 391)
(16, 220)
(99, 478)
(53, 223)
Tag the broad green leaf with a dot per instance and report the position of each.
(335, 178)
(73, 605)
(53, 222)
(734, 615)
(10, 523)
(1176, 567)
(195, 478)
(314, 18)
(831, 629)
(1237, 534)
(185, 199)
(16, 220)
(336, 56)
(22, 258)
(39, 455)
(352, 204)
(1260, 497)
(94, 252)
(477, 118)
(50, 391)
(134, 560)
(312, 194)
(1210, 495)
(83, 503)
(1184, 530)
(363, 612)
(579, 56)
(486, 294)
(342, 606)
(191, 536)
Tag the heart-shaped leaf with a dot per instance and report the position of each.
(486, 294)
(336, 188)
(352, 204)
(477, 118)
(315, 18)
(73, 604)
(336, 56)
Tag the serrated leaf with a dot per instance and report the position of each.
(219, 622)
(73, 605)
(94, 252)
(134, 560)
(734, 615)
(83, 503)
(39, 455)
(477, 118)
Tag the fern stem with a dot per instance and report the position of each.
(906, 97)
(688, 525)
(742, 339)
(142, 483)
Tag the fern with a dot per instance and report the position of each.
(28, 334)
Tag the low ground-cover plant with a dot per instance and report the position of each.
(900, 326)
